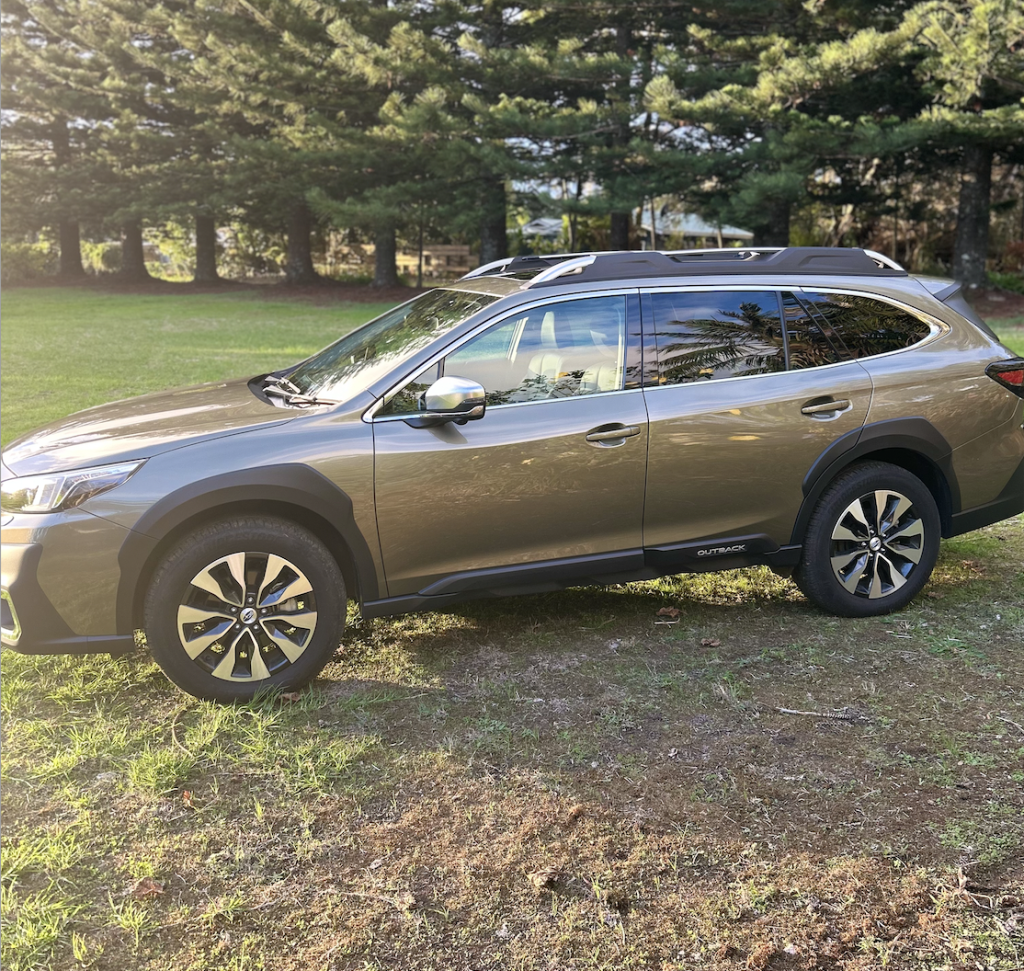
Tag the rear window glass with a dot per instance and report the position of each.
(710, 335)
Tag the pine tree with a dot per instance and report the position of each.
(975, 65)
(51, 110)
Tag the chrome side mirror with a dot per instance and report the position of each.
(450, 398)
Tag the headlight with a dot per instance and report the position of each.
(62, 490)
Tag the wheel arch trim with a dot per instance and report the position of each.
(272, 490)
(914, 444)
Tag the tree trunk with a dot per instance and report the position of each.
(775, 232)
(133, 259)
(619, 235)
(206, 250)
(385, 273)
(67, 228)
(70, 250)
(298, 267)
(970, 249)
(493, 216)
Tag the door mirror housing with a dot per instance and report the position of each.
(450, 399)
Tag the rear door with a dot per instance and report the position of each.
(553, 471)
(733, 432)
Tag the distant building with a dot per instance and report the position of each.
(439, 260)
(684, 230)
(546, 227)
(674, 230)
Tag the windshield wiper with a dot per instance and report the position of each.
(288, 390)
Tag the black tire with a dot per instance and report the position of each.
(866, 553)
(223, 640)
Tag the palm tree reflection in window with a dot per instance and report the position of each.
(739, 334)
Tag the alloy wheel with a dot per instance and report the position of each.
(247, 616)
(876, 544)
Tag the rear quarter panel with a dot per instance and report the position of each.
(943, 380)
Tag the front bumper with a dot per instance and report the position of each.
(31, 624)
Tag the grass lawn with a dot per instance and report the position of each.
(571, 780)
(67, 349)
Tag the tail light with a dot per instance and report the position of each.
(1010, 374)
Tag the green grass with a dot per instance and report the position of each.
(68, 349)
(392, 816)
(1013, 338)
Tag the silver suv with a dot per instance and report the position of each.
(544, 422)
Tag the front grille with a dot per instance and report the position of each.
(10, 629)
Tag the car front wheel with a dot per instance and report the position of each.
(245, 605)
(872, 542)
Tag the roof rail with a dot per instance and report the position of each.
(731, 251)
(883, 260)
(744, 260)
(563, 268)
(488, 268)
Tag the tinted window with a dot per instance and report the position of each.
(865, 326)
(701, 336)
(811, 341)
(353, 363)
(575, 347)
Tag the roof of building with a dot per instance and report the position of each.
(548, 227)
(669, 224)
(688, 224)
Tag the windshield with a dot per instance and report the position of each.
(357, 360)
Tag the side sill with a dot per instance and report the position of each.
(116, 644)
(550, 577)
(534, 574)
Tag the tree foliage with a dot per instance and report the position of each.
(828, 120)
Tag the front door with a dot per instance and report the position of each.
(543, 476)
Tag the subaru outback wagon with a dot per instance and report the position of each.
(543, 422)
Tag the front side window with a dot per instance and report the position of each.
(701, 336)
(356, 361)
(564, 349)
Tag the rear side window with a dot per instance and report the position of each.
(702, 336)
(859, 327)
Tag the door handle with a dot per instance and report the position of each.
(616, 433)
(825, 407)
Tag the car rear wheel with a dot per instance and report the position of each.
(245, 605)
(872, 542)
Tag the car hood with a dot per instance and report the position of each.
(141, 427)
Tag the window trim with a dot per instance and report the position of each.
(938, 328)
(523, 309)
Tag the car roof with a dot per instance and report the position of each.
(556, 269)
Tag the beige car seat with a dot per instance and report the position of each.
(605, 374)
(570, 364)
(548, 364)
